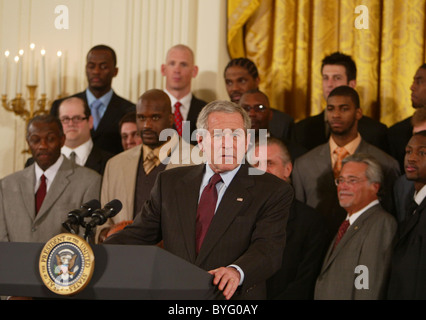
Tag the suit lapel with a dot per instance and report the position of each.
(411, 220)
(59, 184)
(356, 227)
(27, 183)
(236, 197)
(187, 204)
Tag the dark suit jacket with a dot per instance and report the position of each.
(408, 276)
(398, 136)
(314, 185)
(306, 244)
(311, 132)
(403, 192)
(194, 110)
(96, 160)
(107, 135)
(281, 125)
(248, 228)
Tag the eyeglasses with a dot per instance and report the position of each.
(257, 108)
(75, 119)
(349, 181)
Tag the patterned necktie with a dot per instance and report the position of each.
(150, 162)
(341, 154)
(205, 211)
(343, 227)
(178, 118)
(41, 193)
(96, 105)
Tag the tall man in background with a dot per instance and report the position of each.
(107, 108)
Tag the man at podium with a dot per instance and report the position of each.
(223, 216)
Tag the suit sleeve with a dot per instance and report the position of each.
(146, 228)
(264, 255)
(3, 231)
(376, 256)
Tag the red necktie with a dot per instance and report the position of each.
(206, 209)
(343, 227)
(178, 118)
(41, 193)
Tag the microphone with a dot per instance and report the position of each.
(100, 216)
(77, 216)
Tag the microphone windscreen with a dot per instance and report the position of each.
(115, 207)
(92, 204)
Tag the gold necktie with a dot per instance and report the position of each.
(341, 154)
(150, 162)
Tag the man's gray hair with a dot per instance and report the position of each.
(222, 106)
(373, 173)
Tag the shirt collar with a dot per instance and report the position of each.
(162, 152)
(350, 147)
(105, 99)
(419, 196)
(50, 173)
(82, 151)
(185, 101)
(226, 176)
(356, 215)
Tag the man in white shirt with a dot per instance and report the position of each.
(356, 266)
(77, 123)
(179, 70)
(34, 202)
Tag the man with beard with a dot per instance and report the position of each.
(130, 175)
(315, 171)
(401, 132)
(241, 75)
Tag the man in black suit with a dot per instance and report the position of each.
(179, 70)
(239, 238)
(256, 104)
(408, 277)
(107, 108)
(401, 132)
(337, 69)
(241, 75)
(307, 235)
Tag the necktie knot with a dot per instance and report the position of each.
(150, 162)
(72, 157)
(341, 153)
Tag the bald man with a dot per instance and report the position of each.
(179, 69)
(130, 175)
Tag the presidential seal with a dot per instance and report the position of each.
(66, 264)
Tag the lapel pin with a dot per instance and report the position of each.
(240, 199)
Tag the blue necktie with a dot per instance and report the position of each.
(96, 113)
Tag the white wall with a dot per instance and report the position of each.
(140, 31)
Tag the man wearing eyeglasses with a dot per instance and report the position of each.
(77, 122)
(256, 104)
(357, 263)
(314, 172)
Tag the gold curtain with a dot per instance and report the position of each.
(287, 39)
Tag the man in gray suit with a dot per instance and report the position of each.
(313, 174)
(27, 216)
(357, 263)
(239, 236)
